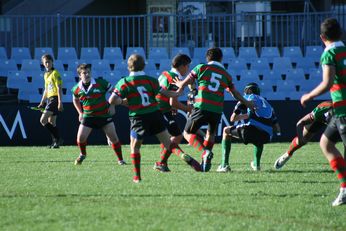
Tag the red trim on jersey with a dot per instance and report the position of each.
(339, 104)
(217, 70)
(199, 100)
(100, 112)
(337, 87)
(162, 97)
(204, 88)
(340, 55)
(325, 104)
(168, 76)
(93, 107)
(76, 91)
(136, 94)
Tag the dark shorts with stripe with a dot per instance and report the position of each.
(52, 105)
(171, 124)
(147, 125)
(250, 134)
(96, 122)
(336, 129)
(199, 117)
(314, 126)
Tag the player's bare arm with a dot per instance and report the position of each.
(238, 96)
(78, 107)
(114, 99)
(60, 105)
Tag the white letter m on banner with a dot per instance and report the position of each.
(18, 120)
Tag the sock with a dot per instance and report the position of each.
(52, 130)
(177, 150)
(226, 151)
(165, 155)
(136, 161)
(257, 154)
(82, 147)
(162, 148)
(339, 166)
(194, 142)
(117, 149)
(293, 146)
(208, 144)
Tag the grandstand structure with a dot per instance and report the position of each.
(278, 50)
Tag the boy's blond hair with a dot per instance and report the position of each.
(82, 67)
(135, 63)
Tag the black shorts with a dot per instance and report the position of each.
(147, 125)
(199, 117)
(52, 105)
(171, 124)
(250, 134)
(96, 122)
(336, 129)
(314, 126)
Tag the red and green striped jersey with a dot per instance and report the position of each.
(140, 91)
(93, 99)
(335, 55)
(212, 80)
(165, 81)
(321, 112)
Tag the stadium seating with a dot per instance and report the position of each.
(228, 53)
(270, 53)
(39, 51)
(65, 54)
(68, 77)
(150, 66)
(157, 53)
(249, 76)
(113, 54)
(200, 52)
(260, 65)
(295, 74)
(165, 64)
(30, 65)
(113, 77)
(20, 53)
(16, 80)
(6, 66)
(292, 52)
(58, 65)
(100, 65)
(237, 64)
(180, 50)
(282, 63)
(89, 54)
(135, 50)
(314, 52)
(305, 63)
(3, 53)
(73, 64)
(247, 53)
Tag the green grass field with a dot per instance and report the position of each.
(41, 189)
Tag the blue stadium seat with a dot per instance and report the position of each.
(154, 73)
(113, 77)
(228, 53)
(325, 96)
(20, 53)
(6, 66)
(16, 79)
(73, 64)
(305, 63)
(121, 66)
(150, 66)
(292, 52)
(247, 53)
(34, 98)
(282, 63)
(237, 64)
(249, 76)
(3, 53)
(67, 87)
(200, 52)
(113, 54)
(135, 50)
(31, 65)
(65, 54)
(270, 53)
(180, 50)
(260, 64)
(295, 74)
(58, 65)
(68, 77)
(100, 65)
(313, 51)
(157, 53)
(195, 62)
(39, 51)
(165, 64)
(315, 74)
(68, 98)
(89, 54)
(286, 85)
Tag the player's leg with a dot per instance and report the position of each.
(193, 124)
(44, 121)
(112, 136)
(135, 145)
(226, 149)
(82, 136)
(335, 129)
(257, 154)
(57, 141)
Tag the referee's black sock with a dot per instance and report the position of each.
(53, 131)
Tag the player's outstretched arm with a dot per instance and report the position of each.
(238, 96)
(307, 119)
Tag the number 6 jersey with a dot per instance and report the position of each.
(140, 91)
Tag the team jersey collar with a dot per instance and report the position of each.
(80, 85)
(175, 71)
(137, 73)
(216, 63)
(334, 45)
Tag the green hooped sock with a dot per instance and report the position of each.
(257, 154)
(226, 150)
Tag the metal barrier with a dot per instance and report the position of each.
(155, 30)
